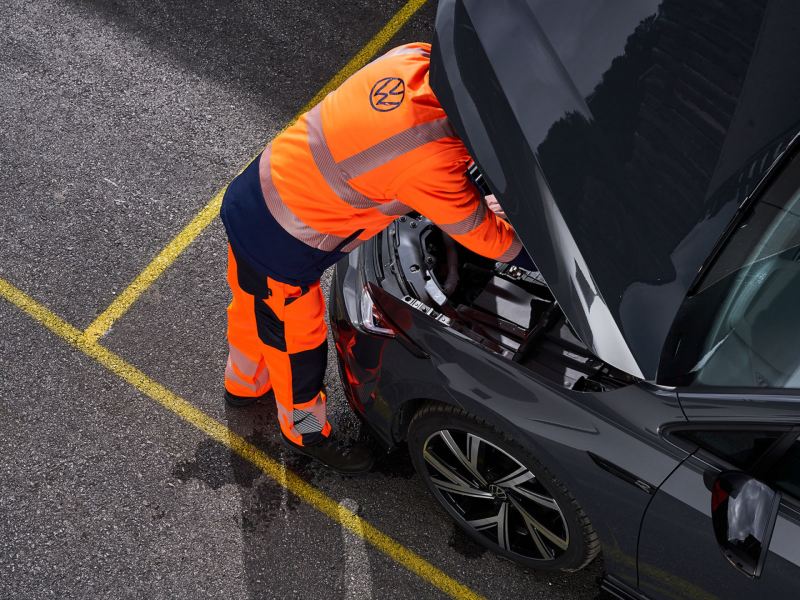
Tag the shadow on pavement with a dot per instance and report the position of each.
(279, 52)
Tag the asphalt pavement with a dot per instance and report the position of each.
(119, 120)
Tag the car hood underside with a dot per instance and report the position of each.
(620, 136)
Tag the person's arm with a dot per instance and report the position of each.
(522, 260)
(495, 207)
(439, 189)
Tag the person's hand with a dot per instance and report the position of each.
(494, 206)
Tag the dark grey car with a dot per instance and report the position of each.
(638, 394)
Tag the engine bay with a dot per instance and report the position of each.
(508, 310)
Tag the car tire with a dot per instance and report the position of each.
(538, 523)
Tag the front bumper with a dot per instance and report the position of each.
(385, 377)
(359, 353)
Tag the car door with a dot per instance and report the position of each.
(679, 556)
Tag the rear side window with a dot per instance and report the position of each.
(742, 449)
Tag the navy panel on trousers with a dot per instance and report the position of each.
(258, 239)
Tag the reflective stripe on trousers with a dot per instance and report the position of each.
(279, 342)
(242, 371)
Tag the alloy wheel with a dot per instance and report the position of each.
(495, 495)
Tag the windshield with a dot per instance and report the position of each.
(741, 328)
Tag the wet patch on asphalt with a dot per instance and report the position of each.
(216, 465)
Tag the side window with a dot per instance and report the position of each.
(742, 449)
(745, 449)
(785, 474)
(740, 326)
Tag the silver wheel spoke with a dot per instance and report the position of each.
(455, 483)
(470, 461)
(481, 524)
(537, 498)
(537, 540)
(502, 527)
(453, 488)
(498, 522)
(530, 521)
(515, 478)
(473, 448)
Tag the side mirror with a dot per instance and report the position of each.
(743, 512)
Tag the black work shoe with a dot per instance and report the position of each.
(241, 401)
(347, 459)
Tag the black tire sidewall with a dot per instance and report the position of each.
(435, 418)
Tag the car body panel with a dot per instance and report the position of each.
(679, 556)
(622, 150)
(669, 563)
(569, 432)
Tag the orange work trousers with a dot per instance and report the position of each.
(278, 340)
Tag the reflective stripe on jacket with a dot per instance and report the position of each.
(377, 147)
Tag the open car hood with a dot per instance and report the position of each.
(620, 136)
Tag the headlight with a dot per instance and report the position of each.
(370, 318)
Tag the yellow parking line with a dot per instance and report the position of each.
(219, 432)
(153, 271)
(100, 326)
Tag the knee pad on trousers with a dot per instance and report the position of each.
(308, 372)
(271, 330)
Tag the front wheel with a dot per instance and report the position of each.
(497, 491)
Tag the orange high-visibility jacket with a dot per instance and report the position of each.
(377, 147)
